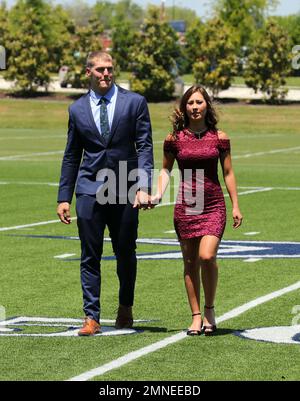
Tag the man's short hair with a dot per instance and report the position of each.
(97, 55)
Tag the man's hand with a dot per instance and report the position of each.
(142, 200)
(63, 212)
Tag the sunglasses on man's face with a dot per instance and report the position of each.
(102, 69)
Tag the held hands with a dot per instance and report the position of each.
(142, 200)
(237, 217)
(63, 212)
(145, 201)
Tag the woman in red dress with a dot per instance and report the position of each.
(197, 145)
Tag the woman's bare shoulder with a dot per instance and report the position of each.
(222, 135)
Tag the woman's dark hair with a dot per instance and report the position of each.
(180, 118)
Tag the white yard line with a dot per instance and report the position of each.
(258, 301)
(16, 157)
(277, 188)
(117, 363)
(33, 137)
(64, 256)
(287, 188)
(253, 191)
(51, 184)
(41, 223)
(247, 136)
(269, 152)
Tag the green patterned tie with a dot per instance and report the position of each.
(104, 124)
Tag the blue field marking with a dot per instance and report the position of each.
(227, 249)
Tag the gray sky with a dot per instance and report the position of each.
(202, 7)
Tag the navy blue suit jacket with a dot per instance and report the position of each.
(87, 151)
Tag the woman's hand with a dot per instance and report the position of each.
(237, 217)
(155, 200)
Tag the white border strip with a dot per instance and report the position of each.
(117, 363)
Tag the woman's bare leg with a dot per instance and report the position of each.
(190, 252)
(209, 274)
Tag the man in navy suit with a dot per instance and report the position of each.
(109, 127)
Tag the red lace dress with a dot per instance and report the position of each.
(200, 206)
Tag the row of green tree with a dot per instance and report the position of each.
(238, 39)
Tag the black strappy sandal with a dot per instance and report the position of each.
(212, 328)
(194, 332)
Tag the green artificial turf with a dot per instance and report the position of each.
(265, 149)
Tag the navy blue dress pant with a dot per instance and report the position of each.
(122, 222)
